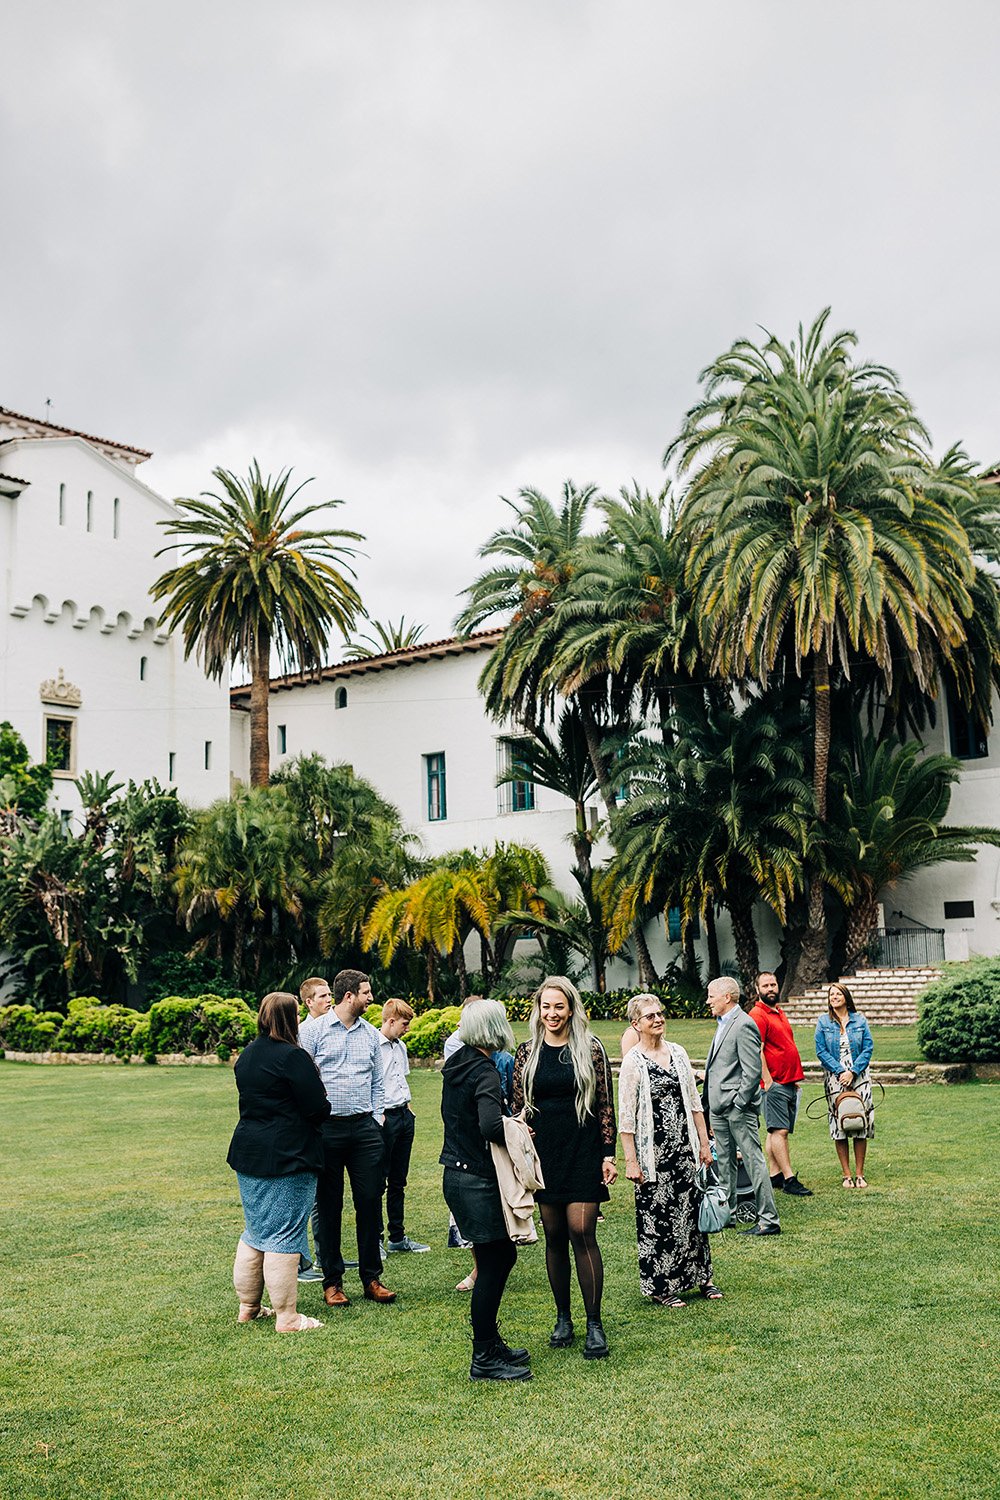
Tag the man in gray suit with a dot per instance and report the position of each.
(732, 1098)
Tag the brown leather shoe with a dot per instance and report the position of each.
(376, 1292)
(334, 1296)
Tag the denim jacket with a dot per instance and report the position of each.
(859, 1040)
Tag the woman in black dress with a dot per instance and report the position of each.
(562, 1081)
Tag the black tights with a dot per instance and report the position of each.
(576, 1222)
(494, 1263)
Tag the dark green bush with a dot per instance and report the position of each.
(25, 1029)
(93, 1027)
(429, 1031)
(200, 1024)
(960, 1015)
(170, 974)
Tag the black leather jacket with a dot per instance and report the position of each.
(472, 1111)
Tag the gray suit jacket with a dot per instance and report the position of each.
(733, 1067)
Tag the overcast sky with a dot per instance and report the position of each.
(432, 252)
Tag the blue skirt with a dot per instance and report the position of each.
(276, 1210)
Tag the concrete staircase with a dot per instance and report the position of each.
(887, 997)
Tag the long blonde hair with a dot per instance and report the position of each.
(580, 1047)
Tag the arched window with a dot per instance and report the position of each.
(340, 698)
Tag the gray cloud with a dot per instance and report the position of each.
(431, 253)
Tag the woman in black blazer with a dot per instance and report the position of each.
(276, 1153)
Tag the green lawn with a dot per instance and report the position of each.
(856, 1355)
(892, 1043)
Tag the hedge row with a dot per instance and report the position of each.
(611, 1006)
(206, 1023)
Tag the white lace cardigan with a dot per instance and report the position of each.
(635, 1104)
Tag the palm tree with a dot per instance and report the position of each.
(382, 639)
(240, 878)
(561, 762)
(717, 817)
(252, 579)
(436, 914)
(816, 534)
(887, 823)
(539, 556)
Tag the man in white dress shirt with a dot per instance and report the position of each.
(398, 1126)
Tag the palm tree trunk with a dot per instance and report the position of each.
(647, 973)
(862, 924)
(458, 953)
(431, 992)
(745, 940)
(712, 937)
(812, 961)
(260, 686)
(584, 876)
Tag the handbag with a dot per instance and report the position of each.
(852, 1118)
(714, 1211)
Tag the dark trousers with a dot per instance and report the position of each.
(351, 1143)
(304, 1261)
(398, 1135)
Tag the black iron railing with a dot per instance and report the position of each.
(907, 947)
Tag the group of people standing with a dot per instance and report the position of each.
(331, 1097)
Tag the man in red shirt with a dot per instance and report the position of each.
(781, 1080)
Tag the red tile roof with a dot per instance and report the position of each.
(452, 645)
(18, 416)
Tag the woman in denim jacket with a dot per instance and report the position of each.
(844, 1046)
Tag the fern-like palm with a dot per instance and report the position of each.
(382, 639)
(252, 579)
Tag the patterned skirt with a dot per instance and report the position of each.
(276, 1210)
(674, 1254)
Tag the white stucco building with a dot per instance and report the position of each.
(87, 677)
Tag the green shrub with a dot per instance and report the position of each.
(25, 1029)
(201, 1024)
(429, 1031)
(960, 1015)
(680, 999)
(168, 974)
(92, 1027)
(140, 1036)
(374, 1014)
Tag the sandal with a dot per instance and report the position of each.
(302, 1324)
(711, 1291)
(849, 1182)
(670, 1301)
(466, 1284)
(860, 1182)
(252, 1312)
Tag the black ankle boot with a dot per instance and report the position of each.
(512, 1356)
(596, 1345)
(562, 1334)
(489, 1362)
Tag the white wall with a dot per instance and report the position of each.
(78, 600)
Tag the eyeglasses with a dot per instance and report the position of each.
(651, 1015)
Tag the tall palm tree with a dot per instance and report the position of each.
(382, 639)
(253, 579)
(815, 533)
(539, 556)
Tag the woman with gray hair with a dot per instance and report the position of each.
(472, 1111)
(562, 1081)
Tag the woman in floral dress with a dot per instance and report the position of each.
(662, 1125)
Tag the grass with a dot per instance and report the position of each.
(856, 1354)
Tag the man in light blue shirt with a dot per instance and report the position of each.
(347, 1052)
